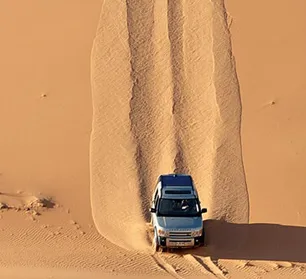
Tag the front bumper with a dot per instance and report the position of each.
(179, 242)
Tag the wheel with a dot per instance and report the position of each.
(155, 244)
(202, 238)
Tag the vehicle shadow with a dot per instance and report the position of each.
(253, 242)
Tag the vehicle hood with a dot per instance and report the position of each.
(179, 222)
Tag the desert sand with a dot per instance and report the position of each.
(179, 111)
(99, 98)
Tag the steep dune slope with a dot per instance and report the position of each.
(115, 199)
(208, 111)
(166, 98)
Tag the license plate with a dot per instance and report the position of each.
(179, 244)
(182, 243)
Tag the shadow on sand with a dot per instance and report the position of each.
(253, 242)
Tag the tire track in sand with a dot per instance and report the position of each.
(140, 21)
(206, 264)
(164, 265)
(206, 106)
(175, 27)
(115, 197)
(201, 266)
(151, 93)
(132, 138)
(188, 266)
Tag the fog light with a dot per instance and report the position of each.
(162, 241)
(163, 233)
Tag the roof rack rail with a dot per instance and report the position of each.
(175, 180)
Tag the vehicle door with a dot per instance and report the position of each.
(155, 206)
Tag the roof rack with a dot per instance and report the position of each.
(175, 180)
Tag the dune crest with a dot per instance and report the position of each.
(165, 98)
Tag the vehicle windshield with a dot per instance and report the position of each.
(179, 207)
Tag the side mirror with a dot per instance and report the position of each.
(204, 210)
(153, 210)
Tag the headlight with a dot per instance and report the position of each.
(163, 233)
(196, 233)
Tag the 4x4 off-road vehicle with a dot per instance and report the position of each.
(176, 214)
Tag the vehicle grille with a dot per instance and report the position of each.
(179, 234)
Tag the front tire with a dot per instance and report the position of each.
(155, 244)
(202, 238)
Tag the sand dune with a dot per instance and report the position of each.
(166, 99)
(115, 199)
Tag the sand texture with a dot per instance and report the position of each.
(98, 98)
(271, 63)
(165, 99)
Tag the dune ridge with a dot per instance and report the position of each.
(165, 98)
(229, 170)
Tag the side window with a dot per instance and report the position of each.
(155, 196)
(156, 199)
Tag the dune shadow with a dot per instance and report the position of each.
(253, 242)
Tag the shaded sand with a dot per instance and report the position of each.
(165, 98)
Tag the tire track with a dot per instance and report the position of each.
(151, 124)
(175, 27)
(193, 108)
(132, 127)
(206, 106)
(140, 24)
(114, 175)
(182, 265)
(199, 264)
(163, 264)
(209, 265)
